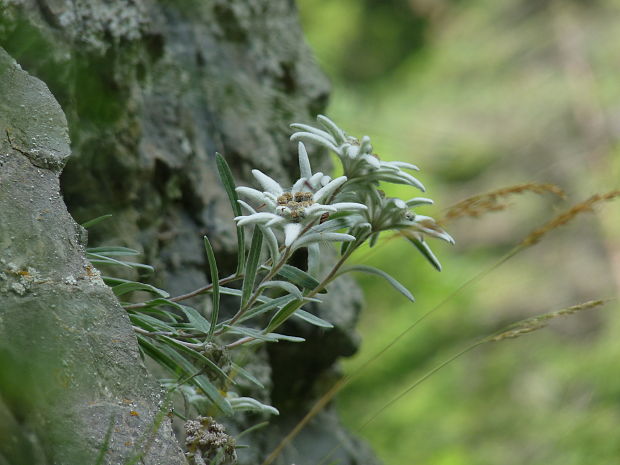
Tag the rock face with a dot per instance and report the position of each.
(57, 318)
(151, 90)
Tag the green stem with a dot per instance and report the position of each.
(155, 335)
(272, 272)
(258, 291)
(189, 295)
(333, 274)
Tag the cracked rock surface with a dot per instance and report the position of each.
(58, 322)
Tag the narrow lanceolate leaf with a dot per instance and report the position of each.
(193, 353)
(250, 332)
(130, 286)
(308, 136)
(248, 404)
(238, 293)
(108, 261)
(164, 315)
(332, 224)
(215, 291)
(323, 237)
(113, 250)
(229, 185)
(418, 201)
(158, 307)
(94, 221)
(313, 130)
(332, 128)
(246, 374)
(298, 277)
(314, 258)
(285, 285)
(98, 259)
(312, 319)
(197, 321)
(276, 303)
(272, 243)
(283, 314)
(149, 323)
(400, 178)
(373, 239)
(251, 266)
(345, 245)
(285, 337)
(104, 258)
(372, 270)
(426, 251)
(176, 363)
(163, 302)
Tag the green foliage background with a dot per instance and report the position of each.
(482, 95)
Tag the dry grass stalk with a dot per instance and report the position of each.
(491, 201)
(538, 322)
(511, 332)
(563, 218)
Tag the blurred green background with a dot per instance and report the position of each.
(484, 94)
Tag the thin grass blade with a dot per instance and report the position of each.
(106, 441)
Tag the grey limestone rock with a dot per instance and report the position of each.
(58, 320)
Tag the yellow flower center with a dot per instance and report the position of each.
(296, 203)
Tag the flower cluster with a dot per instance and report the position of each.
(205, 438)
(298, 209)
(354, 201)
(359, 163)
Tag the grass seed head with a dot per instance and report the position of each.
(563, 218)
(495, 200)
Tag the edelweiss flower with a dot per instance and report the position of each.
(358, 160)
(297, 209)
(365, 171)
(386, 213)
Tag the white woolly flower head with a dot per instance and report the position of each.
(359, 162)
(366, 172)
(387, 213)
(296, 210)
